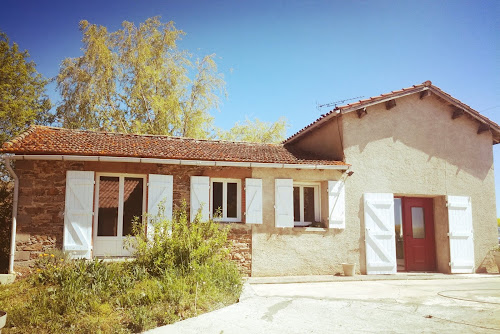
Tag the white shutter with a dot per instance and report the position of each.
(336, 204)
(160, 190)
(283, 203)
(461, 235)
(379, 233)
(253, 201)
(200, 194)
(77, 238)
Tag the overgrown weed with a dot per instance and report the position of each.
(180, 269)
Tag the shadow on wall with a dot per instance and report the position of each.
(425, 125)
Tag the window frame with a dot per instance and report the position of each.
(224, 182)
(317, 202)
(121, 192)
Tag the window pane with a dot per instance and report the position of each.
(132, 203)
(417, 222)
(217, 199)
(398, 221)
(232, 200)
(296, 204)
(309, 204)
(107, 219)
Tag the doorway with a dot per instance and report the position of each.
(120, 201)
(414, 224)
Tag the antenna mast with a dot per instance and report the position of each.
(334, 104)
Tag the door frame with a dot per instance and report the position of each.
(119, 238)
(430, 238)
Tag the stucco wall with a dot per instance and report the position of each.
(298, 250)
(416, 149)
(42, 186)
(329, 135)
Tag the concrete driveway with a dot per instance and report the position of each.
(458, 304)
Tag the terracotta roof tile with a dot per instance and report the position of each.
(413, 89)
(59, 141)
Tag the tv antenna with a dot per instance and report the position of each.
(334, 104)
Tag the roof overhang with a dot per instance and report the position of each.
(175, 161)
(485, 123)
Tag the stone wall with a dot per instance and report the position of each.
(42, 186)
(241, 252)
(40, 219)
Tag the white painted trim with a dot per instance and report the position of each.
(224, 182)
(175, 161)
(317, 201)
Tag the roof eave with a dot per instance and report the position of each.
(166, 161)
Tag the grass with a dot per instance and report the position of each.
(193, 275)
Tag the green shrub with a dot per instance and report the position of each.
(178, 245)
(5, 223)
(181, 271)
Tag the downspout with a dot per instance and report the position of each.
(14, 214)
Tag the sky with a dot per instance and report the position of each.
(286, 57)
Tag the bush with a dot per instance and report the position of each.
(178, 245)
(181, 271)
(5, 224)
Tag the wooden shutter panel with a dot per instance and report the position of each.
(283, 203)
(200, 195)
(160, 191)
(336, 204)
(461, 235)
(253, 195)
(77, 238)
(380, 233)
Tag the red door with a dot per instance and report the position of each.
(418, 229)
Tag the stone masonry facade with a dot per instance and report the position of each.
(42, 186)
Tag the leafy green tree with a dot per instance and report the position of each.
(23, 102)
(22, 91)
(256, 131)
(137, 80)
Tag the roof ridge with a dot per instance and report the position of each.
(426, 85)
(158, 136)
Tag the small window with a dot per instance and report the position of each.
(306, 205)
(225, 201)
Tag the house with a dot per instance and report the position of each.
(401, 181)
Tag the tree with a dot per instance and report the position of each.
(22, 102)
(22, 91)
(137, 80)
(256, 131)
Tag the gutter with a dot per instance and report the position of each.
(14, 213)
(173, 162)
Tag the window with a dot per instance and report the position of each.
(225, 200)
(306, 206)
(120, 200)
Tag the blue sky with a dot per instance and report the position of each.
(282, 58)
